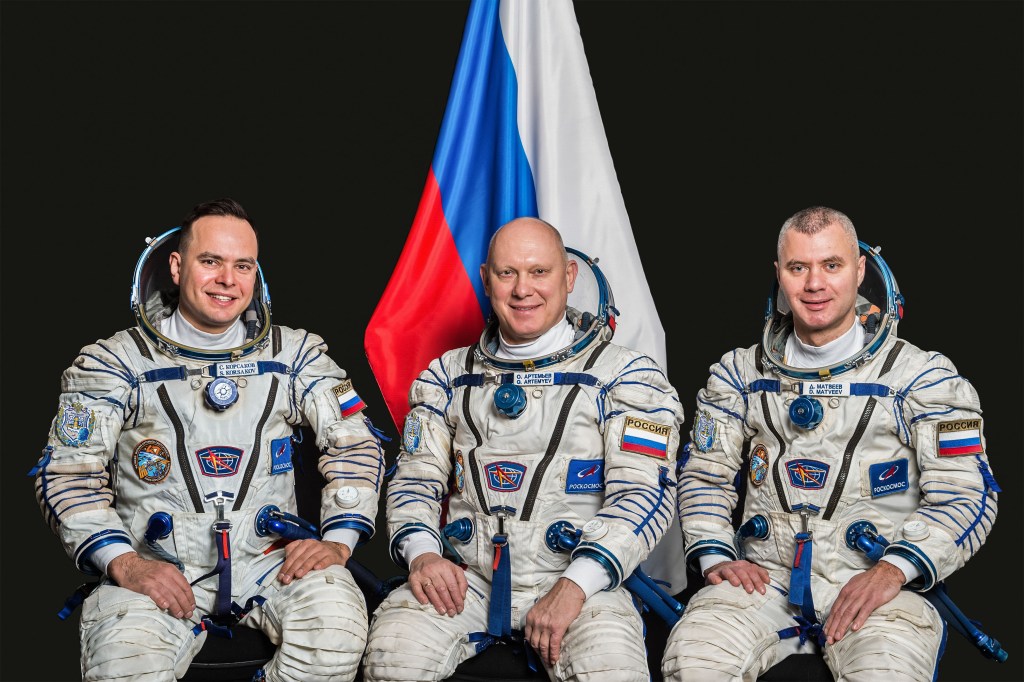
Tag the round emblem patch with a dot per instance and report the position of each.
(758, 464)
(460, 473)
(151, 460)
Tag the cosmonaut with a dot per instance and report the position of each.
(835, 427)
(173, 444)
(542, 429)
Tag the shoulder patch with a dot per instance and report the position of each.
(151, 460)
(959, 437)
(75, 424)
(411, 433)
(758, 464)
(704, 431)
(645, 438)
(348, 399)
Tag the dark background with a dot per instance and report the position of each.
(723, 119)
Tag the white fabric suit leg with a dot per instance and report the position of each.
(321, 620)
(900, 642)
(727, 634)
(411, 642)
(124, 636)
(605, 642)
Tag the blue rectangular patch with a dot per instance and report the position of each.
(585, 476)
(889, 477)
(281, 455)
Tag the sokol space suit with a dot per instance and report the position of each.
(890, 440)
(175, 451)
(503, 454)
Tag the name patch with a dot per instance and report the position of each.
(826, 388)
(534, 378)
(237, 369)
(807, 474)
(959, 437)
(505, 477)
(219, 461)
(281, 455)
(584, 476)
(645, 438)
(348, 399)
(888, 477)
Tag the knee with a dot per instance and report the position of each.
(128, 637)
(403, 645)
(322, 625)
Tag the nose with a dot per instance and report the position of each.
(814, 280)
(226, 275)
(522, 288)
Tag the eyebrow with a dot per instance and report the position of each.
(829, 259)
(211, 254)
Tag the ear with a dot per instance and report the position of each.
(175, 262)
(860, 269)
(571, 270)
(778, 275)
(483, 278)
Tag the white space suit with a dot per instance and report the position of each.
(141, 431)
(593, 449)
(899, 445)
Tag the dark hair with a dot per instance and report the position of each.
(224, 206)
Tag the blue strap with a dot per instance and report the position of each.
(766, 385)
(856, 388)
(208, 625)
(804, 630)
(800, 577)
(180, 373)
(222, 569)
(879, 390)
(499, 620)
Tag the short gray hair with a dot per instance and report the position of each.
(812, 221)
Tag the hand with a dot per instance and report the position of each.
(160, 581)
(750, 576)
(551, 616)
(860, 597)
(437, 581)
(303, 556)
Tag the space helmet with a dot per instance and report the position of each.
(879, 309)
(590, 309)
(155, 296)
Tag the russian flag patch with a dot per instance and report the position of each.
(645, 438)
(959, 437)
(348, 399)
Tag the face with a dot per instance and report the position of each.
(217, 274)
(527, 280)
(819, 275)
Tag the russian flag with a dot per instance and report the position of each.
(521, 136)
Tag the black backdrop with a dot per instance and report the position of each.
(723, 119)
